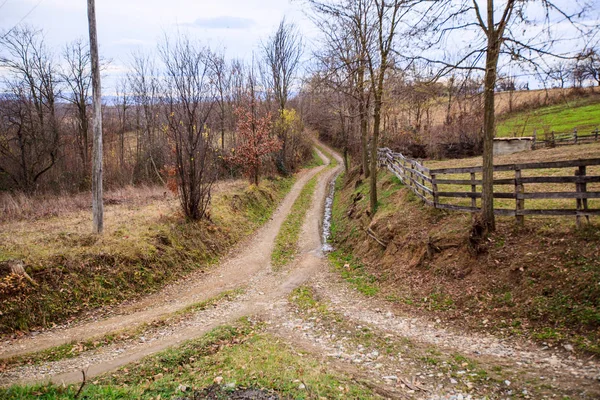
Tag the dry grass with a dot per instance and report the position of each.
(146, 244)
(19, 206)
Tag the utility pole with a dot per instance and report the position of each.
(97, 203)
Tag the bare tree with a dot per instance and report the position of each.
(123, 103)
(561, 72)
(77, 75)
(190, 97)
(146, 91)
(588, 66)
(386, 20)
(282, 53)
(516, 29)
(222, 82)
(30, 143)
(349, 37)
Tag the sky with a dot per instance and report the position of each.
(237, 26)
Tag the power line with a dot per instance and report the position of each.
(5, 1)
(24, 17)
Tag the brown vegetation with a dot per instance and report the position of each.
(534, 280)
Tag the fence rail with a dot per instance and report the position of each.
(432, 186)
(562, 139)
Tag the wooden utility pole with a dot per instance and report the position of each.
(97, 204)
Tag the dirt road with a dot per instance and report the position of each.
(266, 294)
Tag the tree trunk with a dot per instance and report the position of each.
(362, 111)
(487, 197)
(97, 204)
(374, 145)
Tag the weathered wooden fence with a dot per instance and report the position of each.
(562, 139)
(436, 186)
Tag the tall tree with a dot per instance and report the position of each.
(30, 145)
(77, 75)
(282, 53)
(348, 38)
(386, 20)
(190, 98)
(222, 81)
(525, 31)
(146, 91)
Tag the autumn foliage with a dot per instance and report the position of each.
(255, 142)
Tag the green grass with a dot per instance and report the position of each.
(315, 161)
(332, 161)
(237, 356)
(354, 272)
(286, 242)
(562, 118)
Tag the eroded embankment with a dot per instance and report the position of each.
(540, 280)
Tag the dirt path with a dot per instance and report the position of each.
(245, 260)
(393, 375)
(248, 266)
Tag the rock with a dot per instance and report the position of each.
(182, 388)
(507, 383)
(301, 386)
(230, 385)
(218, 380)
(568, 347)
(453, 381)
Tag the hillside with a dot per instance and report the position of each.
(582, 114)
(531, 281)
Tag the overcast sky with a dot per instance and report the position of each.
(238, 26)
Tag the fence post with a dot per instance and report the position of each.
(519, 203)
(435, 190)
(534, 139)
(553, 142)
(575, 136)
(473, 190)
(582, 204)
(596, 134)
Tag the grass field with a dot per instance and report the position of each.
(583, 115)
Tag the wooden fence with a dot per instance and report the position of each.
(561, 139)
(428, 184)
